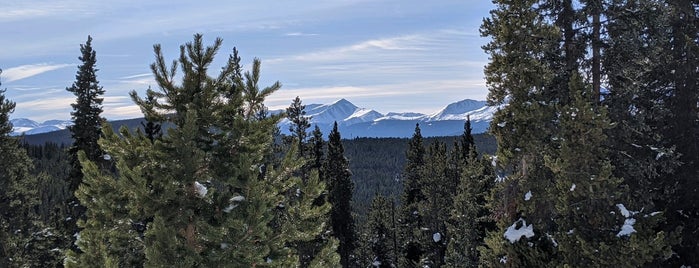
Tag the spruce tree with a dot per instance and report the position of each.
(410, 220)
(683, 132)
(87, 125)
(470, 219)
(585, 192)
(317, 148)
(340, 197)
(647, 51)
(379, 234)
(296, 114)
(435, 209)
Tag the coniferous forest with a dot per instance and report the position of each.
(592, 161)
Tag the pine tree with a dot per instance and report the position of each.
(683, 132)
(299, 123)
(585, 191)
(641, 62)
(19, 199)
(317, 148)
(410, 219)
(340, 197)
(379, 234)
(202, 189)
(434, 210)
(87, 124)
(470, 219)
(525, 61)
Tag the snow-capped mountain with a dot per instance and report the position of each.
(27, 127)
(352, 121)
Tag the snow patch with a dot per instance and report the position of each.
(625, 212)
(513, 234)
(528, 196)
(436, 237)
(627, 228)
(555, 244)
(200, 189)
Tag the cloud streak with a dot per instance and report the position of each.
(25, 71)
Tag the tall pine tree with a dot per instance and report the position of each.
(410, 220)
(87, 126)
(202, 188)
(340, 197)
(470, 219)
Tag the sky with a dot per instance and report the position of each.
(387, 55)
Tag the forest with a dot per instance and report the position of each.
(593, 161)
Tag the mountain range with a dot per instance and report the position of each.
(352, 121)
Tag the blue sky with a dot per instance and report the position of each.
(392, 56)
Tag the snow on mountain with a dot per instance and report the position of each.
(352, 121)
(402, 116)
(459, 110)
(362, 115)
(24, 123)
(26, 126)
(329, 113)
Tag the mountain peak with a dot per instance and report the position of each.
(343, 102)
(459, 110)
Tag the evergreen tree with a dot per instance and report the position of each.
(151, 128)
(585, 191)
(299, 123)
(340, 197)
(470, 219)
(410, 219)
(86, 128)
(317, 148)
(202, 188)
(434, 210)
(380, 241)
(648, 61)
(19, 199)
(682, 71)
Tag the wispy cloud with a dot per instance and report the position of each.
(399, 43)
(300, 34)
(29, 9)
(24, 71)
(46, 104)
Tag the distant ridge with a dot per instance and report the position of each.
(352, 121)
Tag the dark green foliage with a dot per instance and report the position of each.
(86, 128)
(410, 221)
(20, 227)
(317, 145)
(379, 247)
(552, 140)
(299, 123)
(470, 218)
(340, 197)
(438, 189)
(202, 190)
